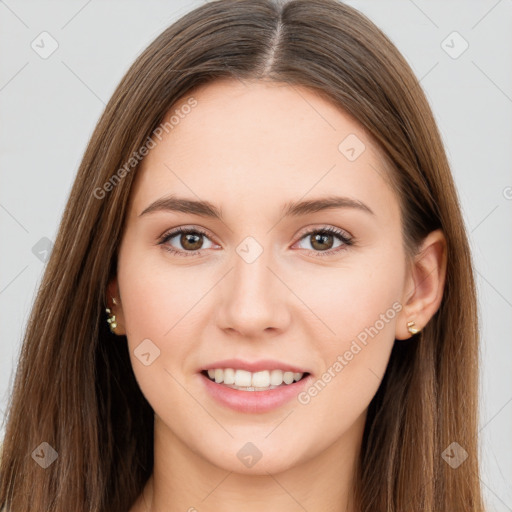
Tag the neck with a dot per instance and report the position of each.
(183, 480)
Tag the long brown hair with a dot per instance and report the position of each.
(75, 388)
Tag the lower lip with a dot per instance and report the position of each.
(254, 401)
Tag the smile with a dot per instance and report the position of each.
(253, 381)
(250, 398)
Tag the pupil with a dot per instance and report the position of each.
(321, 238)
(186, 241)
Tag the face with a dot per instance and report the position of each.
(317, 290)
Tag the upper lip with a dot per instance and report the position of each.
(254, 366)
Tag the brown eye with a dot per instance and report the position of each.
(191, 241)
(326, 241)
(322, 241)
(185, 242)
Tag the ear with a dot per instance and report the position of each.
(117, 309)
(424, 286)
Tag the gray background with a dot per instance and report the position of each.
(50, 106)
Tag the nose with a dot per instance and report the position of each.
(253, 300)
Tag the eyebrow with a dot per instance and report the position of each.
(292, 208)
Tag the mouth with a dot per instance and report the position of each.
(254, 386)
(243, 380)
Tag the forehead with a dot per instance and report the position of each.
(261, 143)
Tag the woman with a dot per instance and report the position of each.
(266, 215)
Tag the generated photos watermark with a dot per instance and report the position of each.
(344, 359)
(150, 143)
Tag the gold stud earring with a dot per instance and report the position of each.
(411, 328)
(111, 320)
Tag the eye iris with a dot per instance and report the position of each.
(187, 238)
(321, 238)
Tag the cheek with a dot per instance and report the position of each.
(358, 307)
(344, 301)
(155, 305)
(155, 294)
(158, 341)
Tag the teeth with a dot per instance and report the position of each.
(229, 376)
(242, 378)
(259, 379)
(245, 379)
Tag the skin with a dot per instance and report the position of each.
(249, 148)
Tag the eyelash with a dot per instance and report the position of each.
(347, 241)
